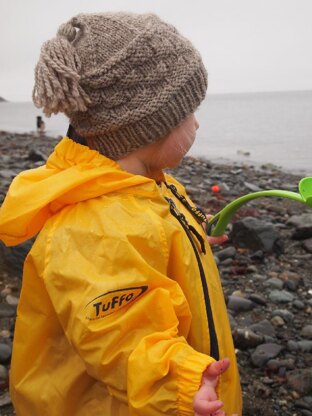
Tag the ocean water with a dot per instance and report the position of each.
(255, 128)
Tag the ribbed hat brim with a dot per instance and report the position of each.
(156, 125)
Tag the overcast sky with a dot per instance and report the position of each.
(247, 45)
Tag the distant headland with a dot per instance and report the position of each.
(2, 100)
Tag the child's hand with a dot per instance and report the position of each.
(206, 402)
(215, 240)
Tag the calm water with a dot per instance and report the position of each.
(269, 127)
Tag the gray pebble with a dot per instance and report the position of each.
(12, 300)
(263, 327)
(238, 304)
(304, 403)
(281, 296)
(263, 353)
(5, 353)
(305, 345)
(298, 304)
(3, 373)
(233, 322)
(260, 300)
(227, 253)
(292, 285)
(7, 311)
(274, 283)
(244, 338)
(277, 321)
(306, 332)
(284, 313)
(300, 380)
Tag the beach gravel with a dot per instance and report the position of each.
(267, 286)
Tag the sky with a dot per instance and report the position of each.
(246, 45)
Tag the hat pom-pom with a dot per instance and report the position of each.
(57, 75)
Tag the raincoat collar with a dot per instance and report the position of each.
(73, 173)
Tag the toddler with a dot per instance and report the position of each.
(121, 310)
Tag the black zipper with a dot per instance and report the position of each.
(214, 348)
(197, 212)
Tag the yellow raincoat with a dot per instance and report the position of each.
(121, 310)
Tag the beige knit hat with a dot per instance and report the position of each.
(124, 80)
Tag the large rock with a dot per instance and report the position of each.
(303, 224)
(300, 380)
(5, 353)
(307, 245)
(255, 234)
(13, 257)
(239, 304)
(263, 327)
(244, 338)
(7, 311)
(281, 296)
(226, 253)
(306, 332)
(265, 352)
(284, 313)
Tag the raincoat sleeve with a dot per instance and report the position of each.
(124, 316)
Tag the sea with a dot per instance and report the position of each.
(249, 128)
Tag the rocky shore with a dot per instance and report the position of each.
(265, 267)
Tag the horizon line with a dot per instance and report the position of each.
(4, 100)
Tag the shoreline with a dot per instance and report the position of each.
(219, 160)
(268, 292)
(260, 166)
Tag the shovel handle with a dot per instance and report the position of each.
(217, 224)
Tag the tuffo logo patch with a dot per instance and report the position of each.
(111, 302)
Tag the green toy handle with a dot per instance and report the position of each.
(217, 224)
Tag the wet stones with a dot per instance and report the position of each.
(268, 290)
(7, 311)
(306, 332)
(239, 304)
(276, 282)
(263, 327)
(300, 380)
(245, 338)
(281, 296)
(255, 234)
(307, 245)
(263, 353)
(227, 253)
(36, 155)
(304, 346)
(283, 313)
(303, 226)
(5, 353)
(13, 257)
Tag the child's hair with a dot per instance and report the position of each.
(123, 79)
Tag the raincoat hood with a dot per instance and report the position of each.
(72, 173)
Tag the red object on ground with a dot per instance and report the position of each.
(215, 188)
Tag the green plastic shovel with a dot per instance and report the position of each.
(218, 223)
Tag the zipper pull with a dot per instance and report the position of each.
(174, 210)
(197, 212)
(199, 238)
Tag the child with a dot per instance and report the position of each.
(121, 310)
(40, 125)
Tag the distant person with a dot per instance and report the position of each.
(121, 311)
(40, 125)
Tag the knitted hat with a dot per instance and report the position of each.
(124, 80)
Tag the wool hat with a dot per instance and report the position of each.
(124, 80)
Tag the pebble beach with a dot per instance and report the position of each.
(265, 269)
